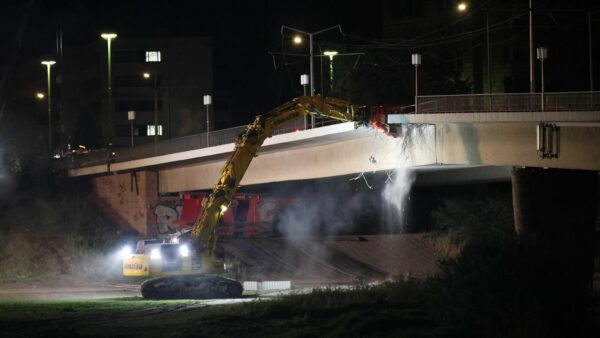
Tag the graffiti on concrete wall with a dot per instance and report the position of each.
(165, 219)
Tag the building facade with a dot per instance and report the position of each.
(162, 80)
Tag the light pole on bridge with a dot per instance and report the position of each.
(298, 40)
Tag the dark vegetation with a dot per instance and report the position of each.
(54, 231)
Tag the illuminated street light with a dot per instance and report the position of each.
(304, 81)
(109, 37)
(207, 103)
(542, 54)
(40, 95)
(462, 6)
(146, 76)
(416, 61)
(131, 118)
(49, 64)
(331, 54)
(298, 39)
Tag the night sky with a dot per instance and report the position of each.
(244, 32)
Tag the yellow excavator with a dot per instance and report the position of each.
(246, 147)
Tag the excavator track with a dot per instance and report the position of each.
(191, 287)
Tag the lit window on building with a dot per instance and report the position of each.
(153, 56)
(151, 130)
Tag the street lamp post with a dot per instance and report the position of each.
(49, 64)
(155, 89)
(330, 54)
(304, 82)
(298, 40)
(590, 54)
(207, 103)
(416, 61)
(131, 117)
(542, 54)
(109, 37)
(531, 78)
(462, 7)
(487, 42)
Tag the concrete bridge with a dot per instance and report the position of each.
(472, 130)
(488, 133)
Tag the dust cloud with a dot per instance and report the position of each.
(7, 183)
(400, 181)
(327, 211)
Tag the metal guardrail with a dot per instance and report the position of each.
(520, 102)
(175, 145)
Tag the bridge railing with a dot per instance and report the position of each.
(175, 145)
(518, 102)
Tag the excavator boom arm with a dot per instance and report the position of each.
(247, 145)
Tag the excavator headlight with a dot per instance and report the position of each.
(125, 251)
(155, 254)
(184, 251)
(175, 240)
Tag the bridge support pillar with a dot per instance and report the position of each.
(128, 198)
(555, 213)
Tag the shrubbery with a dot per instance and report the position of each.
(47, 236)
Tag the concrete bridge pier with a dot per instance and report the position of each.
(555, 213)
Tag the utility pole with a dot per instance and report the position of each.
(207, 103)
(131, 117)
(416, 61)
(311, 56)
(542, 55)
(109, 118)
(304, 82)
(155, 109)
(49, 64)
(489, 66)
(590, 50)
(531, 77)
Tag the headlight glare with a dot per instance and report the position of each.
(125, 251)
(155, 254)
(184, 251)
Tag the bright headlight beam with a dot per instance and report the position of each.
(155, 254)
(223, 209)
(125, 251)
(184, 250)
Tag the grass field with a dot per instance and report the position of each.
(386, 310)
